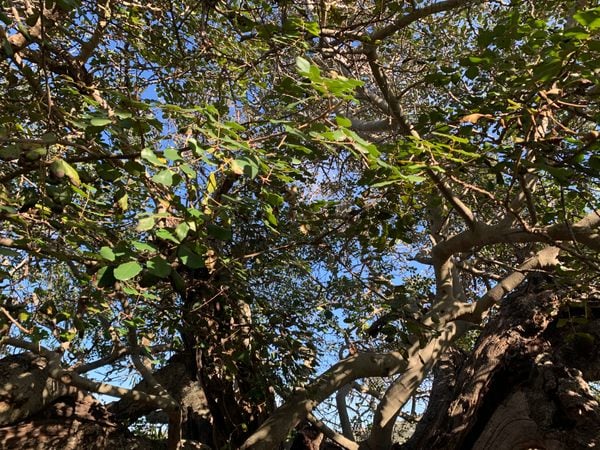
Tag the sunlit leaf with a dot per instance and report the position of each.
(127, 270)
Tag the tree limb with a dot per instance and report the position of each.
(332, 434)
(72, 378)
(463, 210)
(458, 320)
(406, 20)
(361, 365)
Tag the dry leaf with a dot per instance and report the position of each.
(473, 118)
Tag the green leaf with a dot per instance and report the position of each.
(343, 121)
(100, 121)
(105, 277)
(196, 147)
(122, 202)
(313, 28)
(172, 154)
(178, 282)
(60, 168)
(196, 213)
(107, 253)
(478, 60)
(36, 154)
(159, 267)
(145, 224)
(302, 65)
(127, 270)
(547, 70)
(224, 234)
(164, 177)
(272, 198)
(166, 235)
(187, 169)
(452, 137)
(182, 230)
(245, 166)
(589, 18)
(189, 258)
(149, 155)
(144, 246)
(131, 291)
(123, 114)
(271, 219)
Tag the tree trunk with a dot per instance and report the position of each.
(525, 385)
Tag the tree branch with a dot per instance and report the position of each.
(342, 408)
(406, 20)
(72, 378)
(420, 361)
(463, 210)
(361, 365)
(87, 48)
(458, 320)
(584, 231)
(332, 434)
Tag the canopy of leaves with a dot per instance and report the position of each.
(278, 183)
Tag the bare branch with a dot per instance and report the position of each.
(372, 126)
(390, 98)
(361, 365)
(72, 378)
(342, 409)
(142, 368)
(14, 321)
(420, 361)
(116, 354)
(332, 434)
(463, 210)
(584, 231)
(88, 47)
(406, 20)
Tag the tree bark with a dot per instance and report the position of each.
(525, 385)
(72, 422)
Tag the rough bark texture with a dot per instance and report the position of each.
(26, 388)
(37, 412)
(72, 423)
(309, 437)
(176, 377)
(524, 385)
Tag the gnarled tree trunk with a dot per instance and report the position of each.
(525, 385)
(37, 412)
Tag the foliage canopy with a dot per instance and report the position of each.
(262, 187)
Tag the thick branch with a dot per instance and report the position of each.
(463, 210)
(406, 20)
(360, 365)
(386, 91)
(332, 434)
(584, 231)
(88, 47)
(342, 407)
(72, 378)
(372, 126)
(420, 361)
